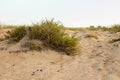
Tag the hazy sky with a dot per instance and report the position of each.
(69, 12)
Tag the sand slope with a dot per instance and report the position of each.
(98, 60)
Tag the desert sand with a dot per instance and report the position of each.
(97, 59)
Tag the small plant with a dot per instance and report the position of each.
(18, 33)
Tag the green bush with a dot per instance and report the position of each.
(53, 35)
(18, 33)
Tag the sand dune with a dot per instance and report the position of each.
(97, 60)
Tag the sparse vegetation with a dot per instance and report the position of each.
(98, 28)
(113, 28)
(53, 35)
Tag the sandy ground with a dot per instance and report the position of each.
(98, 60)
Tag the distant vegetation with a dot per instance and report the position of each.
(53, 35)
(113, 28)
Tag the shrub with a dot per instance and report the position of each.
(18, 33)
(53, 35)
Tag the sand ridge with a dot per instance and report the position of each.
(98, 60)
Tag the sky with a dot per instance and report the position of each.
(71, 13)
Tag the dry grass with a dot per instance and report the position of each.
(93, 34)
